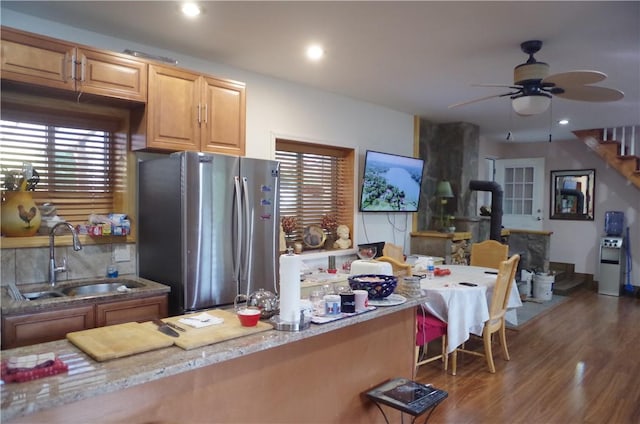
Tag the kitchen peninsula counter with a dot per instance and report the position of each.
(313, 375)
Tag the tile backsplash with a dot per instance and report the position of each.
(30, 265)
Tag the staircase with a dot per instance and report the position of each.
(619, 147)
(567, 280)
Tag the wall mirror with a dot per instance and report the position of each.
(572, 194)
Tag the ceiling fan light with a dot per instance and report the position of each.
(530, 105)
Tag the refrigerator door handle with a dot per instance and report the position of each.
(248, 234)
(239, 239)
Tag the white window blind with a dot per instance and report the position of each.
(76, 159)
(315, 180)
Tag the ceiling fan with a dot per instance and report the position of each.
(533, 87)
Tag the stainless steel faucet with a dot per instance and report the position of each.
(53, 268)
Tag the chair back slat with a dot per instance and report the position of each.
(488, 253)
(502, 288)
(393, 251)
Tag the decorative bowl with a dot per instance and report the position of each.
(378, 286)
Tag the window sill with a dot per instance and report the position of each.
(61, 240)
(319, 254)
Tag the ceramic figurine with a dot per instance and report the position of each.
(343, 242)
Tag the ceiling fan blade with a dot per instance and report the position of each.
(572, 78)
(513, 87)
(589, 93)
(481, 99)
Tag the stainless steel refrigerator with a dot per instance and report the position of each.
(208, 227)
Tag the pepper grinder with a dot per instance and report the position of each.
(332, 265)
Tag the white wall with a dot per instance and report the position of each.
(577, 242)
(279, 108)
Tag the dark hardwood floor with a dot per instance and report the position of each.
(577, 363)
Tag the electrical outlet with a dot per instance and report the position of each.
(121, 253)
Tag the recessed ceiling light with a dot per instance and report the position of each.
(315, 52)
(190, 9)
(563, 122)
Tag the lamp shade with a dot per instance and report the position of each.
(443, 189)
(531, 105)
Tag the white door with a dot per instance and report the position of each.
(522, 181)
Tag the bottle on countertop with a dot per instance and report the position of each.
(430, 268)
(112, 270)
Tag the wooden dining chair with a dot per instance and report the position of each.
(488, 253)
(497, 311)
(398, 268)
(393, 251)
(428, 329)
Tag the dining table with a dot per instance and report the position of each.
(464, 307)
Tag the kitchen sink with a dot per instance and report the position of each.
(102, 287)
(42, 295)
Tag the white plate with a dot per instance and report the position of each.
(391, 300)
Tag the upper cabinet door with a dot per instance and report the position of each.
(111, 74)
(173, 109)
(223, 123)
(44, 61)
(37, 60)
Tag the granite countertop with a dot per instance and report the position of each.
(87, 378)
(11, 306)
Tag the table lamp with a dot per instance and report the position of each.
(443, 192)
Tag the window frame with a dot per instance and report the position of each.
(115, 119)
(343, 197)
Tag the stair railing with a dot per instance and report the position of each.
(628, 137)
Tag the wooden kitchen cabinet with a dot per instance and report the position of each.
(40, 327)
(43, 61)
(189, 111)
(223, 129)
(111, 74)
(139, 310)
(172, 110)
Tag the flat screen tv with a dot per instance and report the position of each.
(390, 183)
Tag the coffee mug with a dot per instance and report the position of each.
(332, 304)
(348, 302)
(361, 299)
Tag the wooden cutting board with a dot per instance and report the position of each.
(197, 337)
(117, 341)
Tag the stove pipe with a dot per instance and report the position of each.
(496, 205)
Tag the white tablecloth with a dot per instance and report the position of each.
(465, 309)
